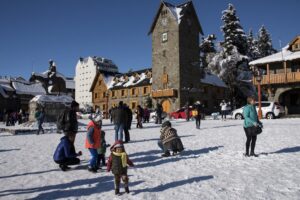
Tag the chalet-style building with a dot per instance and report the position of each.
(282, 80)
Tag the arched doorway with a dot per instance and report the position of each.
(166, 106)
(291, 100)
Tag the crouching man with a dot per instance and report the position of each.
(169, 140)
(65, 153)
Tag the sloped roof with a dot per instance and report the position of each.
(28, 88)
(177, 11)
(107, 78)
(214, 80)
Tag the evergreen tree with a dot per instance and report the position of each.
(234, 35)
(253, 52)
(265, 46)
(207, 50)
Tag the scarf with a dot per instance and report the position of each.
(123, 158)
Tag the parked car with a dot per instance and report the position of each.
(270, 110)
(180, 114)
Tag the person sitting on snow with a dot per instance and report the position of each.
(65, 153)
(117, 163)
(169, 140)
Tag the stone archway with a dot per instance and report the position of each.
(291, 100)
(166, 104)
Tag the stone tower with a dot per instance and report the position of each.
(175, 55)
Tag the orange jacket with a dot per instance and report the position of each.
(96, 136)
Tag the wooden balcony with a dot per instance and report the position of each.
(164, 93)
(282, 78)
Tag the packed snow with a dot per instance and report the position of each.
(211, 167)
(28, 88)
(52, 98)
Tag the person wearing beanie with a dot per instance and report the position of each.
(169, 140)
(65, 153)
(102, 150)
(92, 141)
(118, 163)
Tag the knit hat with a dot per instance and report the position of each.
(97, 118)
(117, 144)
(166, 124)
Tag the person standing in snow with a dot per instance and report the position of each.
(120, 120)
(65, 153)
(169, 140)
(40, 117)
(118, 163)
(197, 113)
(251, 125)
(102, 150)
(223, 106)
(92, 141)
(159, 111)
(139, 116)
(128, 123)
(187, 112)
(146, 115)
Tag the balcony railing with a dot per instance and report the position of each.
(282, 78)
(164, 93)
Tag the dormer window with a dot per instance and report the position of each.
(164, 37)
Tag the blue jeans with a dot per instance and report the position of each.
(119, 128)
(161, 146)
(93, 161)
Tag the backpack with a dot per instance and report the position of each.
(62, 120)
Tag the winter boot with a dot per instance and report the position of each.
(92, 169)
(127, 190)
(253, 154)
(64, 167)
(117, 191)
(167, 154)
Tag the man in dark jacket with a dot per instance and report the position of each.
(169, 140)
(139, 116)
(40, 117)
(65, 153)
(69, 120)
(187, 112)
(120, 121)
(159, 111)
(198, 111)
(128, 123)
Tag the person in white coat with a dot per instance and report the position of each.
(223, 106)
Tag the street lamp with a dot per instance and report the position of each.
(258, 78)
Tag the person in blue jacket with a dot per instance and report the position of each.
(251, 121)
(65, 153)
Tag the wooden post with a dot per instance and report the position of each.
(285, 71)
(268, 73)
(259, 101)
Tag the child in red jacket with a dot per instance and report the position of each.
(117, 163)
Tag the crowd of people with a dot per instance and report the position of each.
(121, 116)
(11, 118)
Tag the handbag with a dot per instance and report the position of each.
(258, 130)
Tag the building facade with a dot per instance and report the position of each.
(86, 70)
(281, 83)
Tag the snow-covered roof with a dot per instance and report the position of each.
(52, 98)
(212, 79)
(284, 55)
(70, 84)
(136, 78)
(108, 80)
(28, 88)
(176, 11)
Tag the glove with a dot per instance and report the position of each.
(79, 153)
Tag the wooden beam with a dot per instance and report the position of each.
(285, 71)
(268, 72)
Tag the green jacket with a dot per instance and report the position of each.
(250, 116)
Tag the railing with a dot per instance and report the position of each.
(290, 77)
(164, 93)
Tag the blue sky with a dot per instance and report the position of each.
(34, 31)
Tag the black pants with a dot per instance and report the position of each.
(101, 160)
(139, 122)
(127, 135)
(223, 113)
(198, 121)
(251, 140)
(68, 161)
(158, 119)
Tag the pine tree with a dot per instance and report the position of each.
(234, 35)
(265, 46)
(253, 52)
(207, 50)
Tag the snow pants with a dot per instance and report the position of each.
(118, 180)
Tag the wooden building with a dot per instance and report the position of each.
(281, 82)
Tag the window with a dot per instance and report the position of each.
(164, 53)
(164, 13)
(103, 107)
(133, 105)
(164, 21)
(113, 94)
(133, 92)
(100, 82)
(164, 37)
(104, 94)
(96, 95)
(145, 90)
(122, 93)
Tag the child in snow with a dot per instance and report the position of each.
(169, 140)
(102, 150)
(65, 153)
(117, 163)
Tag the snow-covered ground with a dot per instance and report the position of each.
(211, 167)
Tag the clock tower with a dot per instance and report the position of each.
(175, 55)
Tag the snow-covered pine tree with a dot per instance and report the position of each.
(207, 50)
(264, 41)
(253, 52)
(233, 32)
